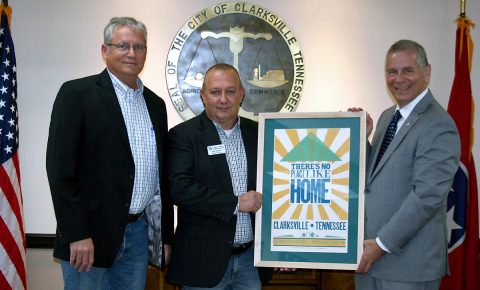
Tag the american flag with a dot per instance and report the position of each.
(12, 234)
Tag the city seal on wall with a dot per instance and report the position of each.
(254, 40)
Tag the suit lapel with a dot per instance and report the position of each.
(397, 140)
(152, 113)
(107, 94)
(250, 139)
(155, 118)
(414, 116)
(378, 139)
(250, 142)
(209, 137)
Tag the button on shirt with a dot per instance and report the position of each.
(237, 165)
(142, 143)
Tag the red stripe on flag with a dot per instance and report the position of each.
(4, 283)
(16, 164)
(7, 239)
(11, 195)
(472, 274)
(11, 247)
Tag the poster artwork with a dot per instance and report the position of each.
(310, 195)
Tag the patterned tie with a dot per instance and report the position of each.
(392, 129)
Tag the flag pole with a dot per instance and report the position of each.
(462, 8)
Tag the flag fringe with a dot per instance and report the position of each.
(8, 11)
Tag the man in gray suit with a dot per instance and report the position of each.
(411, 164)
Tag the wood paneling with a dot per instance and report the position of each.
(302, 279)
(337, 280)
(156, 280)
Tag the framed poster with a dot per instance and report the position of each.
(311, 172)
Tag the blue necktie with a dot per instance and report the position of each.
(391, 130)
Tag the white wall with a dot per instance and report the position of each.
(343, 44)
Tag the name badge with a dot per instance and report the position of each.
(216, 149)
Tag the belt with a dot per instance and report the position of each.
(134, 217)
(238, 249)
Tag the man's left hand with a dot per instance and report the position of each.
(369, 119)
(371, 253)
(250, 201)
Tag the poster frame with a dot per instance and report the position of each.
(274, 180)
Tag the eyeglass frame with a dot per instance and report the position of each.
(124, 47)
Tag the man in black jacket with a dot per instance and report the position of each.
(212, 162)
(104, 160)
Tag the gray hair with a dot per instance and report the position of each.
(405, 44)
(117, 22)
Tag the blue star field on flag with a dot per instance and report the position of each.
(8, 94)
(456, 209)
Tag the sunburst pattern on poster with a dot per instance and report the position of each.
(310, 194)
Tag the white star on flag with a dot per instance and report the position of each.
(8, 149)
(451, 224)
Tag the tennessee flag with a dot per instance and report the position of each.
(462, 208)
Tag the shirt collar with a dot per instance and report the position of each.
(408, 108)
(228, 132)
(122, 88)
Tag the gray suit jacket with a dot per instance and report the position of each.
(405, 197)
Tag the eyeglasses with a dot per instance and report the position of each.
(122, 46)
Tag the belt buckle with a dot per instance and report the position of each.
(238, 249)
(133, 217)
